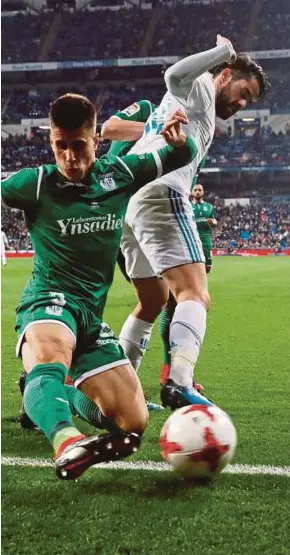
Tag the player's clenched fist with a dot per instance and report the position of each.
(172, 131)
(223, 40)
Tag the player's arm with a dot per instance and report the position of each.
(180, 150)
(21, 190)
(128, 124)
(212, 222)
(179, 78)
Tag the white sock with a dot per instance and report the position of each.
(134, 338)
(187, 332)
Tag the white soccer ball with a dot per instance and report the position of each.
(198, 441)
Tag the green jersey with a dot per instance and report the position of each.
(139, 111)
(201, 212)
(76, 228)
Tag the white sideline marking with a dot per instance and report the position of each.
(151, 465)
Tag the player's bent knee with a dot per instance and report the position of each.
(201, 296)
(137, 422)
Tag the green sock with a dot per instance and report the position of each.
(45, 400)
(165, 321)
(81, 405)
(63, 435)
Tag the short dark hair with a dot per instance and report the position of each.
(245, 67)
(72, 111)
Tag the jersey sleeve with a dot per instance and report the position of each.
(139, 111)
(143, 168)
(211, 214)
(180, 77)
(21, 189)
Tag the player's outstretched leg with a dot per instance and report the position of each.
(166, 317)
(46, 404)
(187, 331)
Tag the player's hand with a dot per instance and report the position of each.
(211, 221)
(223, 40)
(171, 131)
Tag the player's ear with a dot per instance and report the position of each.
(51, 140)
(226, 76)
(96, 140)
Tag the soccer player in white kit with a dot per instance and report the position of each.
(159, 235)
(4, 244)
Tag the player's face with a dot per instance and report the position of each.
(197, 192)
(235, 95)
(74, 151)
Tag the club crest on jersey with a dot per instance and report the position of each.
(95, 205)
(107, 182)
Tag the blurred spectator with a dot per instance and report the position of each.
(34, 103)
(23, 35)
(182, 29)
(259, 226)
(101, 34)
(261, 149)
(13, 224)
(185, 29)
(20, 151)
(273, 31)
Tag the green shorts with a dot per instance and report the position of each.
(96, 347)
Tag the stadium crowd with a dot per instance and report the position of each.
(261, 149)
(265, 225)
(30, 31)
(34, 103)
(119, 31)
(13, 224)
(253, 226)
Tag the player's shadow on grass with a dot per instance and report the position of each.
(171, 486)
(167, 486)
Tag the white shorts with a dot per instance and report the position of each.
(159, 232)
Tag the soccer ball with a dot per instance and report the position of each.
(198, 440)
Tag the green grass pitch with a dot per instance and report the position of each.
(244, 365)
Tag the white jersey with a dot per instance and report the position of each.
(192, 89)
(200, 110)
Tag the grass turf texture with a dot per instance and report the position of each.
(244, 365)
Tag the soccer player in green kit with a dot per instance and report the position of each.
(205, 221)
(129, 123)
(74, 212)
